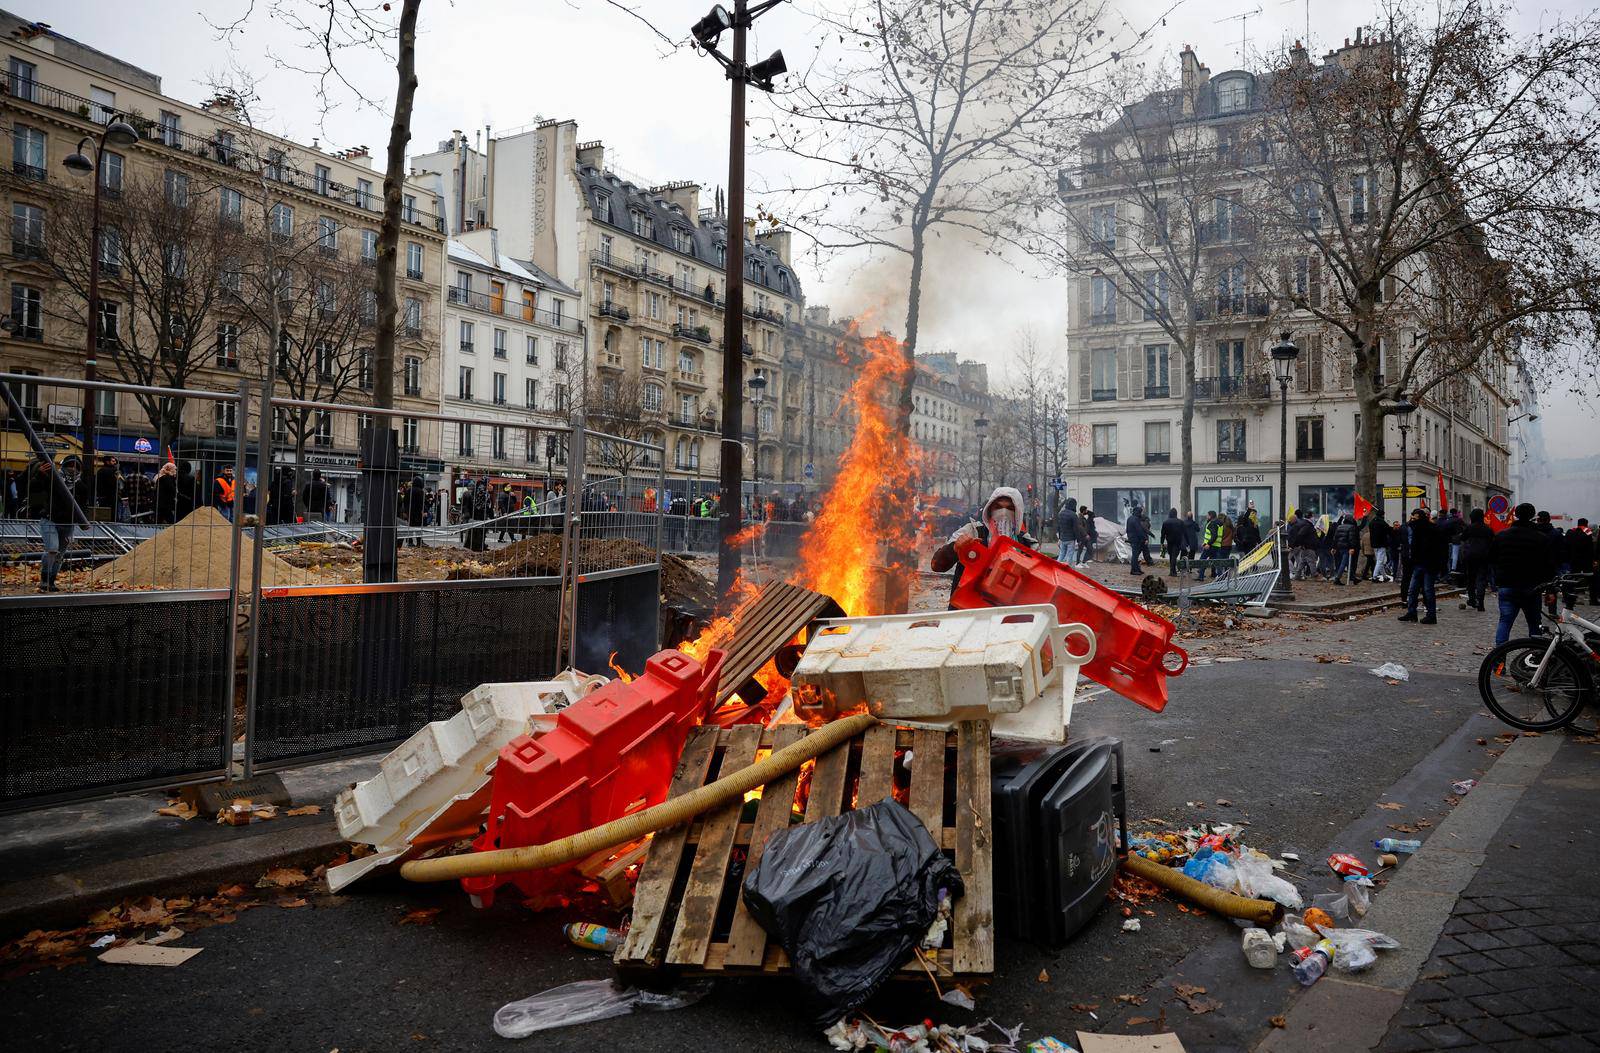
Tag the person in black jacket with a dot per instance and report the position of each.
(1522, 561)
(48, 502)
(1138, 538)
(1580, 560)
(188, 491)
(1247, 531)
(1476, 537)
(167, 493)
(1175, 539)
(1426, 556)
(1344, 540)
(416, 506)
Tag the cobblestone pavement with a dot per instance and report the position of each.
(1508, 974)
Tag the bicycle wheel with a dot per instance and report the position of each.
(1505, 682)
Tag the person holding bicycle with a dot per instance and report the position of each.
(1521, 557)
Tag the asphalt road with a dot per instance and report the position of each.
(1301, 749)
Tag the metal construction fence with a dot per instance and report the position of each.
(231, 581)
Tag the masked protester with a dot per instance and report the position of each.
(1001, 517)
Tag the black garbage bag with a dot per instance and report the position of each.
(848, 898)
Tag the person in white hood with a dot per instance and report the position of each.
(1001, 517)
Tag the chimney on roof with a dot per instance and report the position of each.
(778, 241)
(1195, 78)
(592, 155)
(223, 104)
(1298, 55)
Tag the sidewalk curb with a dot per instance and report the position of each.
(64, 900)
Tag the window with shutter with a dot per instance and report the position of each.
(1302, 371)
(1346, 370)
(1316, 282)
(1175, 368)
(1085, 376)
(1314, 365)
(1135, 373)
(1124, 383)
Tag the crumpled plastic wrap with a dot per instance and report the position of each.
(586, 1001)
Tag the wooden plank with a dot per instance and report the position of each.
(877, 766)
(827, 783)
(747, 940)
(708, 873)
(660, 868)
(973, 930)
(927, 779)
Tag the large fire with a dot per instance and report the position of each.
(866, 523)
(865, 528)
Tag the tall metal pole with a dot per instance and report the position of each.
(92, 339)
(1405, 452)
(980, 470)
(1281, 590)
(732, 450)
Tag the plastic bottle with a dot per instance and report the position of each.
(1313, 965)
(1395, 844)
(1258, 949)
(592, 937)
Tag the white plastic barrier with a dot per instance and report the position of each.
(439, 776)
(938, 668)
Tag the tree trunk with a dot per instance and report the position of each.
(389, 237)
(913, 313)
(1185, 502)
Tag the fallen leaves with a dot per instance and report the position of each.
(1044, 976)
(178, 809)
(1403, 828)
(305, 809)
(290, 904)
(1278, 1021)
(1190, 994)
(1131, 999)
(420, 916)
(282, 877)
(1084, 1007)
(1391, 806)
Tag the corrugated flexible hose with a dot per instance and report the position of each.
(632, 827)
(1262, 912)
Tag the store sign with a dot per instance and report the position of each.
(1409, 491)
(1235, 478)
(142, 446)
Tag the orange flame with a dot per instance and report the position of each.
(622, 674)
(865, 516)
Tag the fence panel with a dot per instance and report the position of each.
(105, 693)
(355, 668)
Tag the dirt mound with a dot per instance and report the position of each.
(540, 556)
(193, 554)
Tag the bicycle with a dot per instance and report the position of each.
(1543, 683)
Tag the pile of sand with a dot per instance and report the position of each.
(540, 556)
(194, 554)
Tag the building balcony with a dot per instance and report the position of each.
(1308, 453)
(691, 378)
(1102, 317)
(1158, 458)
(700, 333)
(614, 310)
(1157, 391)
(32, 173)
(1103, 395)
(1215, 389)
(1230, 456)
(467, 347)
(1101, 459)
(611, 360)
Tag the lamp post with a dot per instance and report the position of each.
(706, 33)
(981, 427)
(1404, 408)
(758, 388)
(117, 132)
(1284, 354)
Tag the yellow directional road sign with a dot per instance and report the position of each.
(1410, 491)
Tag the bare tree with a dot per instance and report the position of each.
(929, 121)
(164, 260)
(1037, 392)
(618, 410)
(1446, 171)
(1153, 214)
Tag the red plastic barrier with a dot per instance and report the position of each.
(1134, 653)
(609, 755)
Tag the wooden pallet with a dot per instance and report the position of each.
(687, 911)
(769, 622)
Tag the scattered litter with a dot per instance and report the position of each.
(244, 812)
(1130, 925)
(959, 997)
(1388, 859)
(178, 808)
(1293, 857)
(1314, 963)
(988, 1037)
(1462, 788)
(1395, 844)
(1163, 1043)
(165, 936)
(144, 954)
(1391, 671)
(104, 941)
(586, 1001)
(592, 937)
(1347, 864)
(305, 809)
(1258, 949)
(1049, 1044)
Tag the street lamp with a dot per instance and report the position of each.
(758, 388)
(1404, 408)
(117, 132)
(707, 31)
(981, 427)
(1284, 355)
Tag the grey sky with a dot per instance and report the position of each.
(509, 63)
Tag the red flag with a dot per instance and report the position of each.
(1444, 502)
(1363, 506)
(169, 455)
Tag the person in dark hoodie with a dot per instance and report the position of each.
(1426, 557)
(1476, 537)
(1138, 539)
(1581, 559)
(1174, 538)
(1191, 536)
(188, 490)
(1247, 531)
(416, 506)
(1522, 561)
(1001, 517)
(1344, 542)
